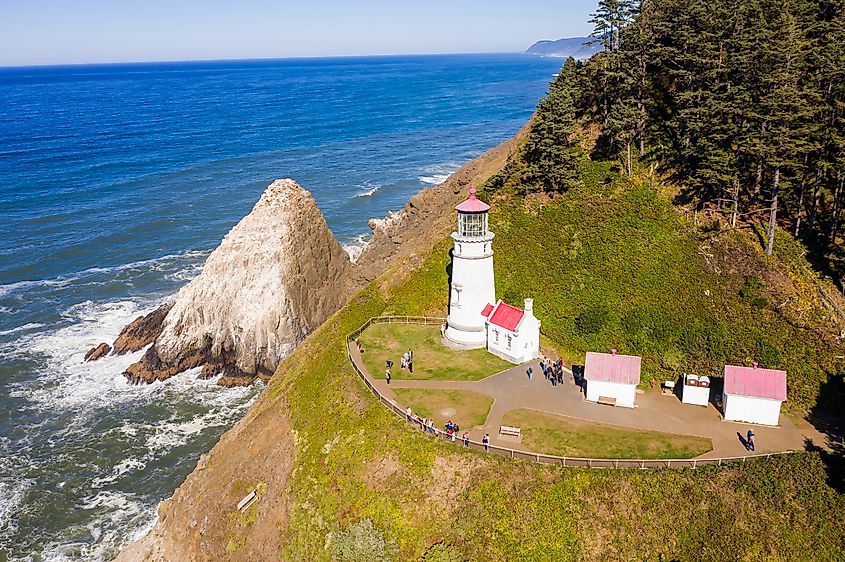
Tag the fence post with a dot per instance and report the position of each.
(693, 463)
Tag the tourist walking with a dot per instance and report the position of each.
(387, 376)
(408, 414)
(410, 362)
(749, 441)
(466, 439)
(486, 441)
(530, 372)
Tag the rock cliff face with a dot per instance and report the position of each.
(277, 275)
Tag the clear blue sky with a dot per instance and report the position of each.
(82, 31)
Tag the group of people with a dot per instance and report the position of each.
(450, 430)
(407, 362)
(552, 370)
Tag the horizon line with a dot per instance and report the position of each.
(256, 59)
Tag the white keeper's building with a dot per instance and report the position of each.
(753, 394)
(612, 378)
(474, 320)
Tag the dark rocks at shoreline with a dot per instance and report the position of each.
(142, 331)
(97, 352)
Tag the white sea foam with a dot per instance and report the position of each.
(24, 328)
(155, 264)
(438, 173)
(355, 247)
(12, 495)
(368, 190)
(388, 220)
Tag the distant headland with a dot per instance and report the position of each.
(575, 47)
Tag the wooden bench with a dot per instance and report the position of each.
(606, 400)
(507, 430)
(248, 500)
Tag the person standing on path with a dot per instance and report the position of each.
(750, 441)
(409, 413)
(466, 439)
(486, 441)
(387, 376)
(410, 362)
(530, 372)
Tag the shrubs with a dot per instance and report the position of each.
(750, 292)
(363, 541)
(592, 320)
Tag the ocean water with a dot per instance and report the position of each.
(116, 182)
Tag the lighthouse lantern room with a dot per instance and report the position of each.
(472, 284)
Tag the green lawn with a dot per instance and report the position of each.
(471, 408)
(559, 435)
(432, 359)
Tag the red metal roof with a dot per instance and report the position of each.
(612, 367)
(473, 204)
(487, 310)
(506, 316)
(755, 382)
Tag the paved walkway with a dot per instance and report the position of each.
(511, 390)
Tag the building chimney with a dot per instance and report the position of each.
(754, 365)
(613, 351)
(529, 305)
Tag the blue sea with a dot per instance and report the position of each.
(117, 181)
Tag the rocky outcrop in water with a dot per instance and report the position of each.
(142, 331)
(97, 351)
(276, 276)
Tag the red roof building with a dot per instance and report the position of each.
(473, 204)
(506, 316)
(755, 382)
(612, 367)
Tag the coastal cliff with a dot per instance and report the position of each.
(276, 276)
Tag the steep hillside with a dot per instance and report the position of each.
(608, 263)
(613, 264)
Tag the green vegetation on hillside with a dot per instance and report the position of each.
(357, 461)
(612, 264)
(557, 435)
(432, 359)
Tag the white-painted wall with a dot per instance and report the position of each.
(752, 410)
(698, 395)
(473, 287)
(624, 393)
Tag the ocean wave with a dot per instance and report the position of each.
(438, 173)
(24, 328)
(355, 247)
(154, 264)
(368, 190)
(12, 494)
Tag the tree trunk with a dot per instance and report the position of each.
(811, 220)
(630, 170)
(773, 213)
(735, 202)
(758, 180)
(837, 207)
(800, 204)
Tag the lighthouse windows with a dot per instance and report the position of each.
(472, 225)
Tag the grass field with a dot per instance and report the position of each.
(471, 408)
(432, 359)
(571, 437)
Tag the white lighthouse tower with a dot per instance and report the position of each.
(472, 285)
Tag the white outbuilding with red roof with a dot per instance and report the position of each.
(612, 378)
(512, 333)
(753, 394)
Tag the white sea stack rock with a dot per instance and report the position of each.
(276, 276)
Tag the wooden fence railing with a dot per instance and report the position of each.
(517, 454)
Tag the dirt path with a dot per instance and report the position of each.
(512, 390)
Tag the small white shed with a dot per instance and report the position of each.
(512, 333)
(753, 394)
(612, 376)
(696, 390)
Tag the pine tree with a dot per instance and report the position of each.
(552, 153)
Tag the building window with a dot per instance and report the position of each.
(472, 225)
(510, 341)
(496, 337)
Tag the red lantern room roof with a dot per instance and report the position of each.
(473, 204)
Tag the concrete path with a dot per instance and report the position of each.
(512, 390)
